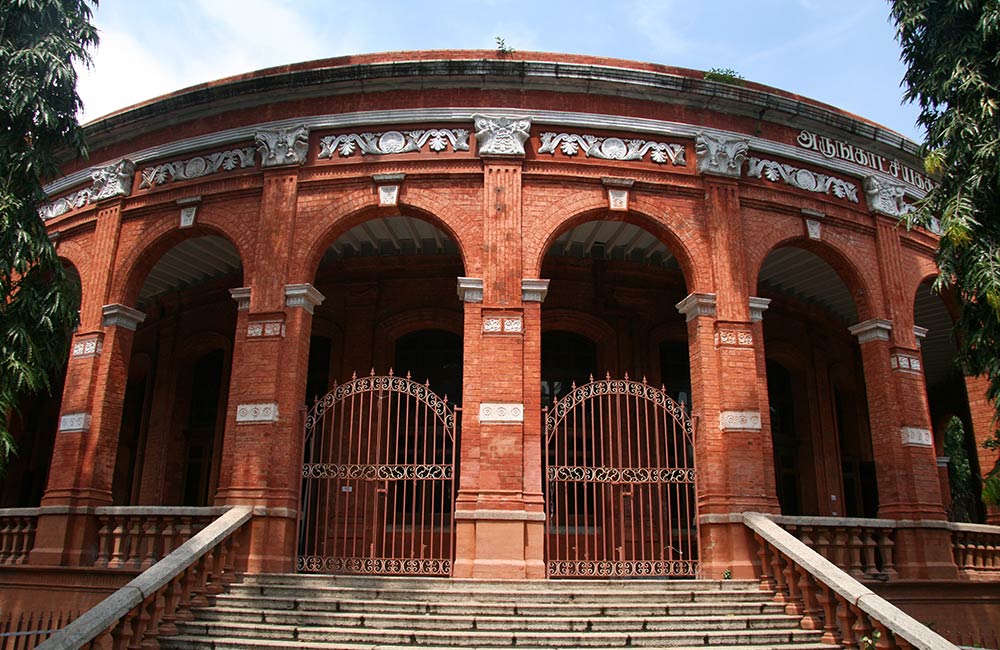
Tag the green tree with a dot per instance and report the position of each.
(40, 41)
(960, 480)
(952, 50)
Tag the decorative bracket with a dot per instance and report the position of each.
(720, 156)
(388, 188)
(281, 147)
(885, 197)
(242, 297)
(534, 290)
(501, 135)
(470, 289)
(757, 308)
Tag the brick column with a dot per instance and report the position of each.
(983, 427)
(499, 521)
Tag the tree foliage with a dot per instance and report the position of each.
(952, 50)
(40, 40)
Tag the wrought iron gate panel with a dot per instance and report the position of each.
(378, 480)
(620, 483)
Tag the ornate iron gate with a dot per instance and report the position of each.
(378, 480)
(620, 483)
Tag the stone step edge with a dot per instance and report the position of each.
(449, 584)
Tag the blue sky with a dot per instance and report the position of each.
(841, 52)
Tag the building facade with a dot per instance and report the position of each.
(487, 314)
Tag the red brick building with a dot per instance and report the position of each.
(651, 300)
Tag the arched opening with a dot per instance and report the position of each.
(949, 405)
(618, 451)
(169, 444)
(819, 422)
(33, 426)
(385, 359)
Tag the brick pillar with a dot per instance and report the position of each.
(983, 427)
(86, 443)
(499, 519)
(262, 448)
(161, 457)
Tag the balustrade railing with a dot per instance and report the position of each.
(136, 537)
(17, 534)
(976, 549)
(828, 599)
(861, 547)
(149, 606)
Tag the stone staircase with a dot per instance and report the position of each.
(351, 613)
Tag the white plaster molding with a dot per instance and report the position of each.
(814, 229)
(392, 142)
(815, 214)
(942, 461)
(885, 197)
(242, 297)
(617, 199)
(303, 295)
(916, 437)
(501, 413)
(739, 421)
(503, 325)
(388, 195)
(558, 119)
(802, 179)
(188, 215)
(720, 156)
(876, 329)
(205, 165)
(107, 181)
(905, 362)
(501, 135)
(254, 413)
(513, 325)
(265, 328)
(612, 148)
(117, 315)
(734, 338)
(533, 290)
(757, 308)
(920, 333)
(492, 325)
(697, 304)
(283, 146)
(470, 289)
(89, 346)
(74, 422)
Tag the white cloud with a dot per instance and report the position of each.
(661, 23)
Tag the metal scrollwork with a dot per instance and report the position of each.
(622, 569)
(377, 472)
(621, 474)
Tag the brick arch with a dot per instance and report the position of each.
(391, 329)
(589, 326)
(593, 207)
(336, 218)
(77, 255)
(861, 285)
(162, 235)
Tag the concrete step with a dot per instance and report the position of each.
(493, 638)
(228, 643)
(472, 622)
(614, 607)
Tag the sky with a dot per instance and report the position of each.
(841, 52)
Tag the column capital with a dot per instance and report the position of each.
(303, 295)
(920, 333)
(501, 135)
(875, 329)
(118, 315)
(470, 289)
(719, 155)
(534, 290)
(697, 304)
(757, 308)
(282, 147)
(242, 297)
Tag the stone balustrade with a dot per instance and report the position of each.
(977, 550)
(136, 537)
(17, 534)
(861, 547)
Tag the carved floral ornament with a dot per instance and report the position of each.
(720, 155)
(392, 142)
(802, 179)
(108, 182)
(501, 135)
(211, 163)
(279, 147)
(592, 146)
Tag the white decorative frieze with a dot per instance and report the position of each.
(470, 289)
(89, 346)
(283, 146)
(697, 304)
(513, 325)
(733, 339)
(492, 412)
(905, 362)
(721, 156)
(242, 297)
(916, 437)
(814, 229)
(739, 421)
(265, 329)
(493, 325)
(501, 135)
(885, 197)
(253, 413)
(757, 308)
(593, 146)
(391, 142)
(303, 295)
(802, 179)
(108, 182)
(876, 329)
(503, 325)
(74, 422)
(117, 315)
(206, 165)
(534, 290)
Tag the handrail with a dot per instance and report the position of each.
(110, 611)
(882, 613)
